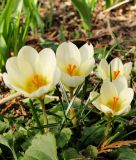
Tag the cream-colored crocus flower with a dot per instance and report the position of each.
(75, 64)
(30, 73)
(114, 98)
(114, 69)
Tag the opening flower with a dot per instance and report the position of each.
(75, 64)
(31, 73)
(114, 69)
(114, 98)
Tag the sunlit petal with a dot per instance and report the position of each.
(103, 69)
(86, 52)
(68, 53)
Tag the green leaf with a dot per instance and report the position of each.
(3, 51)
(4, 125)
(124, 153)
(85, 8)
(71, 154)
(42, 147)
(93, 135)
(9, 143)
(64, 137)
(32, 8)
(92, 151)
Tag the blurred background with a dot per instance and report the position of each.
(108, 24)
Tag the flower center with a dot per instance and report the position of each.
(115, 102)
(116, 74)
(35, 82)
(38, 81)
(71, 69)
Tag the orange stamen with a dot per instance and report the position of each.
(116, 73)
(37, 81)
(70, 69)
(115, 101)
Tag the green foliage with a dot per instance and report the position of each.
(8, 141)
(70, 154)
(42, 147)
(14, 29)
(32, 10)
(20, 136)
(92, 151)
(110, 3)
(64, 137)
(85, 9)
(124, 153)
(93, 135)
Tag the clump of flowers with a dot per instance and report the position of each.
(34, 74)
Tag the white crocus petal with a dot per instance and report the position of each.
(28, 54)
(127, 69)
(28, 58)
(8, 81)
(126, 96)
(95, 99)
(20, 89)
(108, 91)
(86, 52)
(13, 70)
(73, 81)
(47, 62)
(124, 110)
(68, 53)
(87, 67)
(120, 83)
(39, 92)
(56, 77)
(106, 109)
(15, 85)
(103, 69)
(116, 65)
(25, 72)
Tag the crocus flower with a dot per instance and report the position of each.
(114, 69)
(30, 73)
(75, 64)
(114, 98)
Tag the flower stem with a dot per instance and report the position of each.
(72, 112)
(35, 116)
(41, 100)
